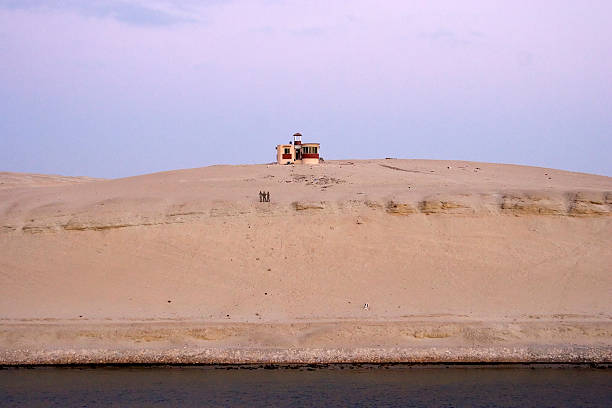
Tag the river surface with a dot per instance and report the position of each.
(339, 386)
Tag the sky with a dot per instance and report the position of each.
(116, 88)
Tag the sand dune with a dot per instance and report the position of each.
(474, 255)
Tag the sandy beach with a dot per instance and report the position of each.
(355, 260)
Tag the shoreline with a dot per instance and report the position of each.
(211, 357)
(355, 342)
(323, 366)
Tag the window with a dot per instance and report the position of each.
(309, 150)
(287, 150)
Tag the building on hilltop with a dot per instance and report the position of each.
(297, 152)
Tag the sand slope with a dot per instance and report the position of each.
(442, 244)
(27, 180)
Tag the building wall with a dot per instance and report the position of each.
(282, 157)
(310, 153)
(307, 158)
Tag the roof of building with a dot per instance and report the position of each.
(297, 134)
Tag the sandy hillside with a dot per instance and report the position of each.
(21, 180)
(447, 245)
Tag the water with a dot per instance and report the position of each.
(393, 386)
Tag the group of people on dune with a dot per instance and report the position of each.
(264, 196)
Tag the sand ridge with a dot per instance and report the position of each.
(398, 187)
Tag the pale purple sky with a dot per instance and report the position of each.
(117, 88)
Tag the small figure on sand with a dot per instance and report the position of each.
(264, 196)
